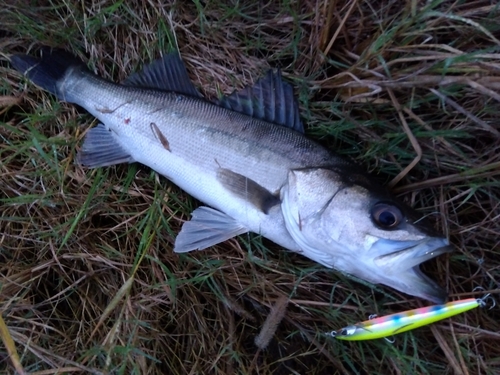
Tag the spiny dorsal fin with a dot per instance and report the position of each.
(270, 99)
(167, 74)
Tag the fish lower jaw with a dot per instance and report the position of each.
(411, 281)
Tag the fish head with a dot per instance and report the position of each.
(348, 222)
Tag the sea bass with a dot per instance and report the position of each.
(246, 157)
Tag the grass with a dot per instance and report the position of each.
(88, 279)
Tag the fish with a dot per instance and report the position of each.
(393, 324)
(246, 157)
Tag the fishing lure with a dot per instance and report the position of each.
(401, 322)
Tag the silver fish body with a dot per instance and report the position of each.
(205, 142)
(255, 171)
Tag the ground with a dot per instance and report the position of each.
(89, 283)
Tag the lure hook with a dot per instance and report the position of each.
(487, 297)
(390, 340)
(484, 301)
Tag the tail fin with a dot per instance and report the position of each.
(47, 70)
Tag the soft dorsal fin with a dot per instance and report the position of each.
(270, 99)
(167, 74)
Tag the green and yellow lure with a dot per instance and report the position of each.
(401, 322)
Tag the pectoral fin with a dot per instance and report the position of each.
(100, 149)
(207, 227)
(247, 189)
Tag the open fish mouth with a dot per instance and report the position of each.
(401, 266)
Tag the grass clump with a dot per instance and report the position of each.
(88, 279)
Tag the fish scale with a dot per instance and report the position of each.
(196, 133)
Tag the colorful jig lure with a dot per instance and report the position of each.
(396, 323)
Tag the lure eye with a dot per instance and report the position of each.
(386, 216)
(347, 331)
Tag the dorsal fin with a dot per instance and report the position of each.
(167, 74)
(270, 99)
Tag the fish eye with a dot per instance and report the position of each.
(386, 216)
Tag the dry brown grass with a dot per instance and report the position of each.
(88, 279)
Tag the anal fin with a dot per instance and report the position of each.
(207, 227)
(100, 149)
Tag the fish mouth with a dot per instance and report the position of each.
(401, 266)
